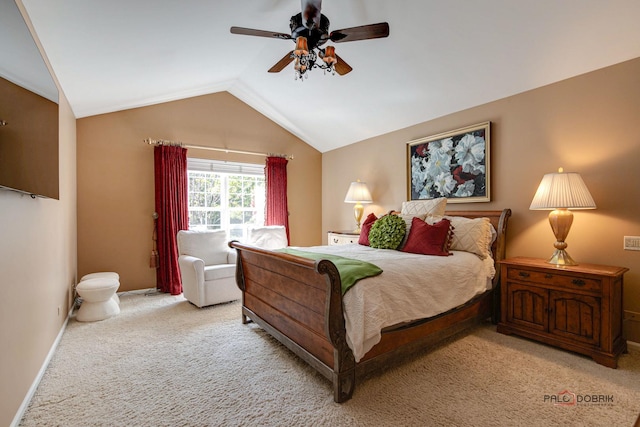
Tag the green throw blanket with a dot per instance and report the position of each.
(351, 270)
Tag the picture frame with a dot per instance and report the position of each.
(454, 164)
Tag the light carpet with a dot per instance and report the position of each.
(164, 362)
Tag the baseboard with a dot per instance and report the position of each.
(634, 345)
(34, 386)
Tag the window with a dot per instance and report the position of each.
(224, 195)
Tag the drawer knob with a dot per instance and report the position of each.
(578, 282)
(548, 276)
(523, 274)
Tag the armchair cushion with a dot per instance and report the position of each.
(220, 271)
(210, 246)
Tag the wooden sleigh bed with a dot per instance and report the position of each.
(299, 302)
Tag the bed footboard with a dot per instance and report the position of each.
(299, 302)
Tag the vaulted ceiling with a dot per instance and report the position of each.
(442, 56)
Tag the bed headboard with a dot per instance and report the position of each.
(499, 220)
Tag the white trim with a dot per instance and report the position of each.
(34, 386)
(633, 344)
(249, 96)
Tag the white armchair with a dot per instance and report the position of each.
(207, 267)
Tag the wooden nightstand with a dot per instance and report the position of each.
(342, 237)
(577, 308)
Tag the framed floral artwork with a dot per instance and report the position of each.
(452, 164)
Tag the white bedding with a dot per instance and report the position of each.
(421, 286)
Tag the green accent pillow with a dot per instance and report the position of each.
(387, 232)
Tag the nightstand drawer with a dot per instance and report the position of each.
(344, 238)
(548, 278)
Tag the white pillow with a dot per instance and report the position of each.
(431, 207)
(268, 237)
(469, 235)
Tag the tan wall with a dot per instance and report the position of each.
(115, 176)
(585, 124)
(37, 273)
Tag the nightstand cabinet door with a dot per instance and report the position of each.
(528, 306)
(578, 308)
(576, 317)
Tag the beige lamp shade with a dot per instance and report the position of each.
(562, 192)
(358, 193)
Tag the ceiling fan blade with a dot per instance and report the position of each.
(286, 60)
(364, 32)
(260, 33)
(342, 67)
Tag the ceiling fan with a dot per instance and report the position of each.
(310, 31)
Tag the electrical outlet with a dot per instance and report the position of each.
(632, 243)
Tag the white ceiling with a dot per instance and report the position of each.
(442, 56)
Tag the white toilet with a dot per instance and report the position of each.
(99, 299)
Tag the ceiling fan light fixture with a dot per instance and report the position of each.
(329, 56)
(306, 59)
(302, 48)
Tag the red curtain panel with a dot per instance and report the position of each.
(275, 173)
(173, 212)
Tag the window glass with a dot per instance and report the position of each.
(231, 197)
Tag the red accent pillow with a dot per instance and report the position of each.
(429, 239)
(364, 230)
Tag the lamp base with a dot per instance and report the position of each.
(561, 257)
(358, 209)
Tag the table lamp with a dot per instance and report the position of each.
(560, 192)
(358, 193)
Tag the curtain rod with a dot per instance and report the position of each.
(204, 147)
